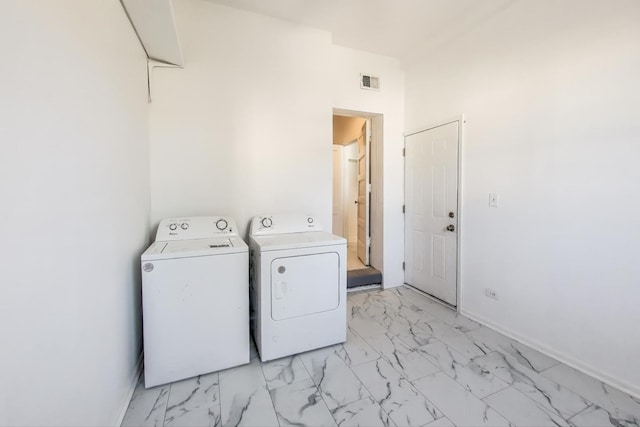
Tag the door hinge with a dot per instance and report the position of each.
(404, 152)
(403, 265)
(403, 208)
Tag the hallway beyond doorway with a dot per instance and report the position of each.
(353, 262)
(359, 274)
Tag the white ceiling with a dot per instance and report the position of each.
(405, 29)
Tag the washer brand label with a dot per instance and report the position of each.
(148, 267)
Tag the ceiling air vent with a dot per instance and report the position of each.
(369, 82)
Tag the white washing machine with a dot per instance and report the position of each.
(298, 286)
(195, 299)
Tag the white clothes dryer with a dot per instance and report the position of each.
(298, 285)
(195, 297)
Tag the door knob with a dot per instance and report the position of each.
(451, 214)
(451, 227)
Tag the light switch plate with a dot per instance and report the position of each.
(493, 200)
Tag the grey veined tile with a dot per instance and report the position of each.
(244, 397)
(554, 397)
(473, 377)
(525, 355)
(285, 371)
(357, 298)
(595, 416)
(430, 329)
(441, 422)
(363, 324)
(410, 364)
(365, 412)
(443, 356)
(395, 394)
(338, 385)
(395, 313)
(383, 300)
(401, 322)
(300, 404)
(436, 310)
(458, 404)
(147, 406)
(522, 411)
(355, 350)
(618, 404)
(194, 402)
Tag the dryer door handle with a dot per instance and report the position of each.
(281, 289)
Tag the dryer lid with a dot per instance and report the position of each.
(313, 239)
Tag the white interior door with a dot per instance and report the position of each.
(431, 211)
(338, 194)
(364, 193)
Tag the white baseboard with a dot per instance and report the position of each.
(135, 376)
(618, 383)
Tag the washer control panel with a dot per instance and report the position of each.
(196, 227)
(283, 223)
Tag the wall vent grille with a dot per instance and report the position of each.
(369, 82)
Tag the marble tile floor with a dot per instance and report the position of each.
(408, 361)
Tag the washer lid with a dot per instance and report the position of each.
(194, 247)
(311, 239)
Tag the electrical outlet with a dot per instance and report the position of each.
(491, 293)
(493, 200)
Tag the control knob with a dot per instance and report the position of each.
(172, 227)
(266, 222)
(184, 226)
(222, 224)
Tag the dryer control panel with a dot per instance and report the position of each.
(283, 224)
(196, 227)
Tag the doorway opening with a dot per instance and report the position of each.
(357, 193)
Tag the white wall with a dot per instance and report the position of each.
(550, 91)
(347, 64)
(74, 188)
(245, 128)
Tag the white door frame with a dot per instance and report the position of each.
(376, 222)
(461, 133)
(363, 248)
(338, 172)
